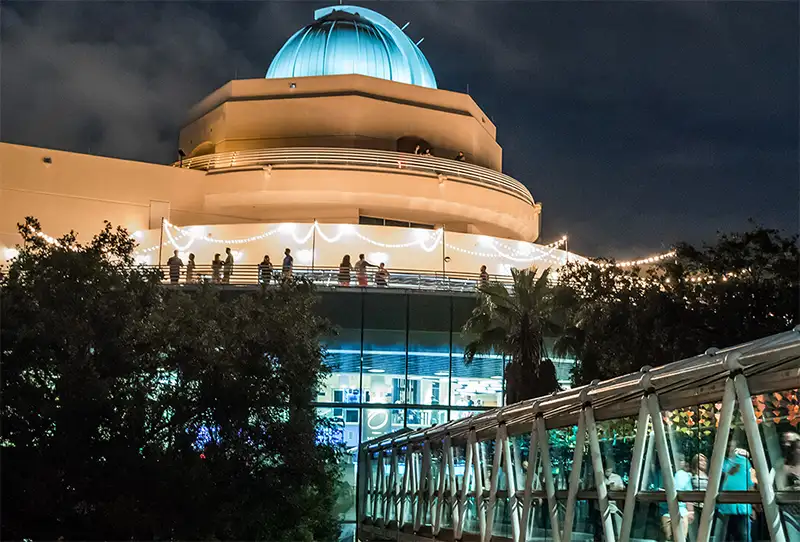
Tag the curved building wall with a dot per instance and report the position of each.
(340, 111)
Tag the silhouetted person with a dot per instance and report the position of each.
(175, 264)
(382, 276)
(361, 270)
(288, 263)
(344, 271)
(216, 269)
(460, 157)
(190, 265)
(265, 270)
(417, 149)
(228, 269)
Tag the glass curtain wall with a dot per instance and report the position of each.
(397, 361)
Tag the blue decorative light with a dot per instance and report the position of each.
(352, 40)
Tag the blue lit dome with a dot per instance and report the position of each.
(349, 39)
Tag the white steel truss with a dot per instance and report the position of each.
(462, 479)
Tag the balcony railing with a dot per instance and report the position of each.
(249, 275)
(452, 170)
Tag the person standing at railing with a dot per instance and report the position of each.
(265, 270)
(288, 263)
(361, 270)
(228, 269)
(382, 276)
(734, 520)
(460, 157)
(484, 275)
(344, 271)
(417, 149)
(216, 269)
(190, 265)
(175, 264)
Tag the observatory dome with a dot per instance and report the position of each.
(352, 40)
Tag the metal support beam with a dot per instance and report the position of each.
(771, 511)
(717, 459)
(599, 474)
(512, 468)
(574, 478)
(533, 449)
(552, 503)
(635, 473)
(665, 462)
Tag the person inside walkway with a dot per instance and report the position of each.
(614, 483)
(460, 157)
(216, 269)
(733, 520)
(484, 275)
(428, 152)
(361, 270)
(344, 271)
(265, 270)
(683, 482)
(175, 264)
(190, 266)
(228, 269)
(288, 263)
(382, 276)
(417, 149)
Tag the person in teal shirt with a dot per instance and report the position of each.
(733, 520)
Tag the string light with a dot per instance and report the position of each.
(631, 263)
(557, 243)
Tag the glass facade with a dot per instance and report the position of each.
(397, 362)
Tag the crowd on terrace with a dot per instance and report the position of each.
(221, 270)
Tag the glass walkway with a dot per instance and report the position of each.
(703, 449)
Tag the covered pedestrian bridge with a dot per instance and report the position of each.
(703, 449)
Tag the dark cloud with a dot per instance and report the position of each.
(635, 123)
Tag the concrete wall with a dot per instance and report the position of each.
(340, 111)
(68, 191)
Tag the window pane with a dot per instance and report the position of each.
(380, 421)
(384, 348)
(429, 350)
(343, 309)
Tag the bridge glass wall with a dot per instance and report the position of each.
(698, 451)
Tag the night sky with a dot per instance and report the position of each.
(636, 124)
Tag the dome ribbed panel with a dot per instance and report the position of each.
(353, 44)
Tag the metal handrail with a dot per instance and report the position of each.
(249, 275)
(312, 156)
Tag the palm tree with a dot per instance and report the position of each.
(513, 324)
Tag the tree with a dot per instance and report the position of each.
(741, 288)
(134, 411)
(513, 324)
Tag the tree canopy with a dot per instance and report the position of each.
(134, 411)
(514, 325)
(743, 287)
